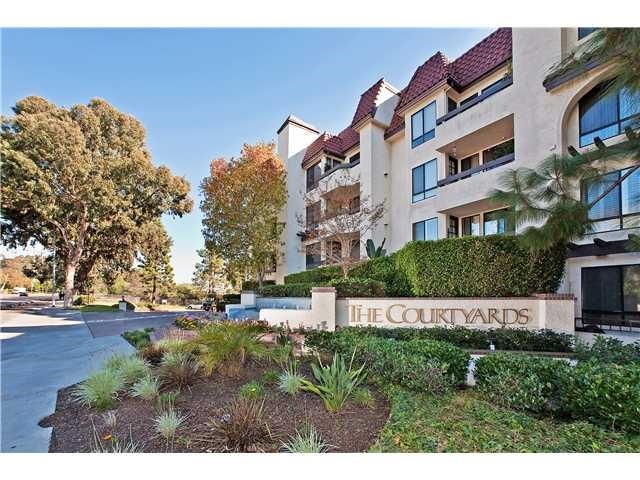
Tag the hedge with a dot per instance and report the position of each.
(316, 275)
(502, 338)
(253, 284)
(286, 290)
(383, 269)
(489, 266)
(354, 287)
(522, 382)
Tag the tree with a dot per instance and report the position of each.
(243, 199)
(81, 180)
(210, 274)
(155, 260)
(346, 218)
(547, 195)
(12, 272)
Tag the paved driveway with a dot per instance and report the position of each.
(39, 354)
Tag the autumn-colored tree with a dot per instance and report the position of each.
(341, 217)
(243, 198)
(81, 180)
(155, 260)
(12, 272)
(210, 274)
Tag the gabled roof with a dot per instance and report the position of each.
(491, 52)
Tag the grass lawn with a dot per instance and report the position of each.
(463, 422)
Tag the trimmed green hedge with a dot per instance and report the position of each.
(383, 269)
(287, 290)
(318, 275)
(356, 287)
(253, 284)
(502, 338)
(490, 266)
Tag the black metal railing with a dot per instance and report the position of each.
(498, 87)
(510, 157)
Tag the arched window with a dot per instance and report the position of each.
(607, 115)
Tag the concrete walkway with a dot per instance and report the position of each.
(39, 354)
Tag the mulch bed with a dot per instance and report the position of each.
(354, 429)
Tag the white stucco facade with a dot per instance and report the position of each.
(541, 120)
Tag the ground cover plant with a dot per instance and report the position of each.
(138, 338)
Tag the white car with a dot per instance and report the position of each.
(194, 306)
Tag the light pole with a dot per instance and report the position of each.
(53, 281)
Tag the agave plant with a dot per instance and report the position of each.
(373, 251)
(336, 382)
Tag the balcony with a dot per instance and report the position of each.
(495, 88)
(479, 151)
(322, 173)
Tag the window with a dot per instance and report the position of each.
(423, 125)
(606, 115)
(354, 158)
(334, 251)
(470, 162)
(585, 31)
(313, 216)
(618, 209)
(426, 230)
(355, 249)
(489, 89)
(451, 104)
(611, 295)
(471, 226)
(453, 166)
(312, 255)
(452, 227)
(497, 223)
(424, 180)
(354, 205)
(313, 175)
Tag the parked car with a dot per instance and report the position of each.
(207, 305)
(20, 290)
(194, 306)
(23, 294)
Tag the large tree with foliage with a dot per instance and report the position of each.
(243, 198)
(548, 195)
(210, 274)
(80, 180)
(155, 260)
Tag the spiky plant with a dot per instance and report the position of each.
(306, 440)
(100, 390)
(290, 381)
(251, 391)
(363, 396)
(110, 419)
(178, 369)
(242, 428)
(336, 382)
(226, 346)
(112, 444)
(147, 388)
(131, 367)
(166, 424)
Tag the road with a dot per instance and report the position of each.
(44, 349)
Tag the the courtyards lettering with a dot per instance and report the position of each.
(399, 314)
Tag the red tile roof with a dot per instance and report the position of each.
(481, 59)
(367, 103)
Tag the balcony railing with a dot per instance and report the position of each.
(501, 85)
(477, 169)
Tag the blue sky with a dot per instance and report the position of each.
(202, 93)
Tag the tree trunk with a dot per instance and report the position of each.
(69, 282)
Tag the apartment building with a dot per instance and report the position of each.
(433, 150)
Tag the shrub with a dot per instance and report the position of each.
(604, 394)
(363, 396)
(131, 367)
(84, 300)
(336, 382)
(130, 306)
(306, 440)
(522, 382)
(100, 390)
(287, 290)
(609, 350)
(167, 423)
(242, 428)
(178, 370)
(270, 377)
(226, 347)
(231, 298)
(383, 269)
(153, 353)
(187, 323)
(502, 338)
(419, 365)
(353, 287)
(253, 284)
(147, 388)
(138, 338)
(290, 381)
(251, 391)
(167, 400)
(489, 266)
(315, 275)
